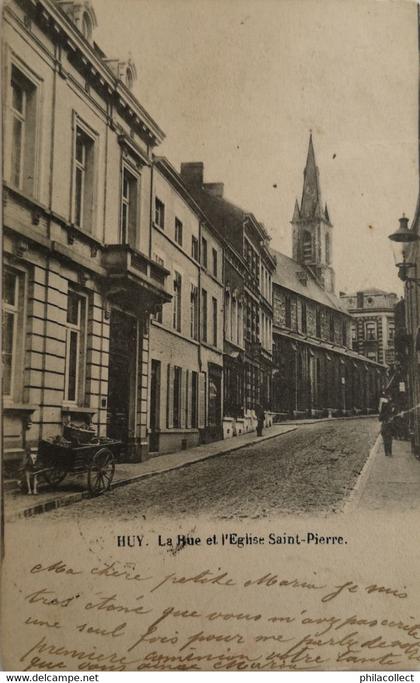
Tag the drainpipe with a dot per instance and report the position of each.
(200, 360)
(151, 207)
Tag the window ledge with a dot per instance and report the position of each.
(10, 407)
(67, 409)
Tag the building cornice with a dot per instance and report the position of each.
(52, 17)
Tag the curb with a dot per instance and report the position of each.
(315, 420)
(353, 500)
(71, 498)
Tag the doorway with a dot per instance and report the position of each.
(122, 378)
(154, 406)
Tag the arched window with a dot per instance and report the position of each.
(327, 248)
(129, 79)
(86, 26)
(307, 247)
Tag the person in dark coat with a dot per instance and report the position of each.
(386, 417)
(259, 412)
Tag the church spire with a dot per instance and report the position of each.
(296, 212)
(312, 227)
(311, 194)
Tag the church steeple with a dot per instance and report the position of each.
(311, 193)
(312, 228)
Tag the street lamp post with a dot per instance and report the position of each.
(401, 240)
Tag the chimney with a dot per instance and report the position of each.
(192, 173)
(359, 299)
(215, 189)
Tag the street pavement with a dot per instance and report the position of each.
(390, 484)
(74, 488)
(311, 470)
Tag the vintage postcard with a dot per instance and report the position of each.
(211, 336)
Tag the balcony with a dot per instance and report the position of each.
(130, 272)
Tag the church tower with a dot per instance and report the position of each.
(312, 228)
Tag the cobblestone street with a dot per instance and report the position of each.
(312, 470)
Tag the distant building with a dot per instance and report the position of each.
(373, 326)
(316, 372)
(186, 335)
(248, 269)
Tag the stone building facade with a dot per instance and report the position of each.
(186, 335)
(249, 266)
(139, 299)
(316, 372)
(79, 280)
(373, 323)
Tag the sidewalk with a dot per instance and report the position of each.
(388, 483)
(72, 490)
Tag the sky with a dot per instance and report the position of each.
(238, 84)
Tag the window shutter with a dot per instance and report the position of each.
(170, 397)
(201, 400)
(188, 397)
(183, 411)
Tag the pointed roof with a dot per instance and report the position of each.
(311, 194)
(296, 212)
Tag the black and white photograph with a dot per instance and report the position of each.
(211, 335)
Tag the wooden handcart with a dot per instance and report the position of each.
(96, 458)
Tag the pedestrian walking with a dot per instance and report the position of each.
(386, 418)
(259, 412)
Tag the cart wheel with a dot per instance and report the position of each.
(55, 476)
(101, 471)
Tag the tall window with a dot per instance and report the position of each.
(194, 312)
(215, 262)
(194, 248)
(178, 232)
(75, 351)
(83, 179)
(214, 316)
(159, 213)
(10, 329)
(228, 315)
(307, 247)
(23, 134)
(204, 252)
(344, 333)
(234, 333)
(288, 311)
(331, 326)
(158, 312)
(194, 398)
(240, 324)
(177, 396)
(318, 322)
(204, 315)
(177, 302)
(303, 317)
(129, 203)
(86, 26)
(327, 248)
(371, 330)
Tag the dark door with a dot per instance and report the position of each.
(154, 406)
(121, 377)
(214, 396)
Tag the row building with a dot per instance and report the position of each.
(316, 370)
(137, 298)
